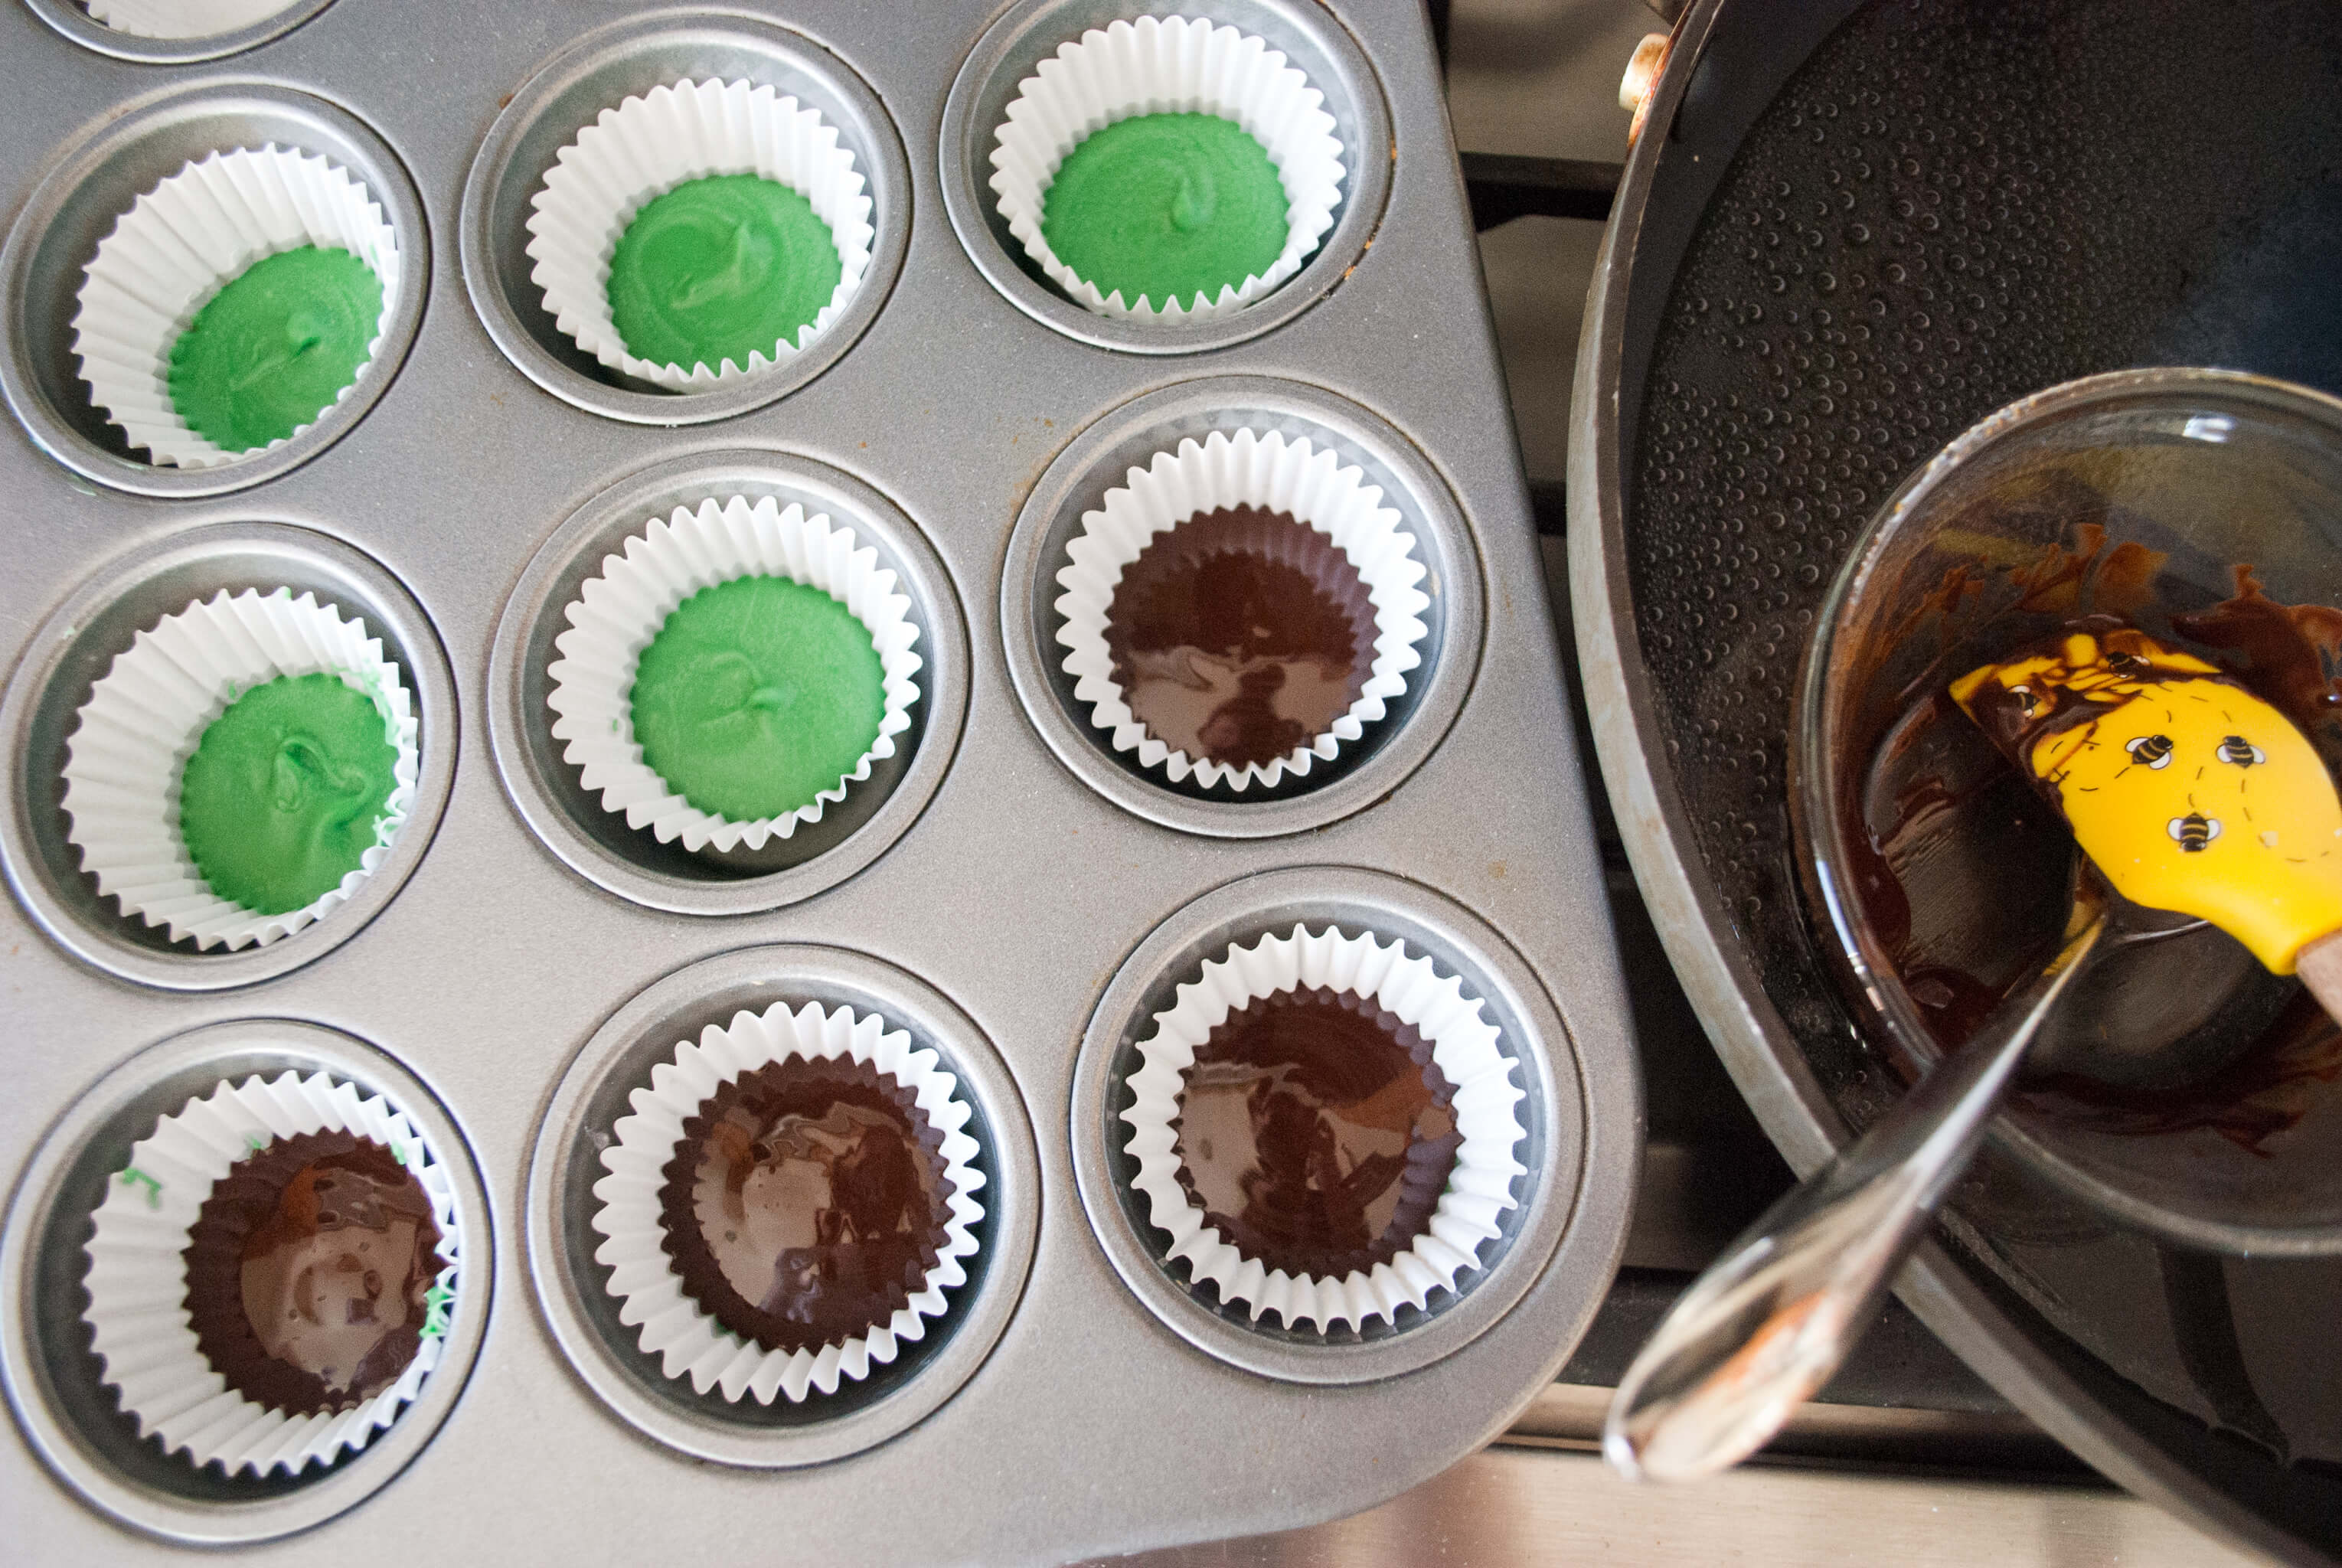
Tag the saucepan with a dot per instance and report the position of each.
(2168, 1078)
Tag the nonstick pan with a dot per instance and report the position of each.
(1846, 233)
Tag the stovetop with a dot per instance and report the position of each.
(1907, 1456)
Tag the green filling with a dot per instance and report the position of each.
(719, 268)
(1167, 207)
(274, 347)
(282, 796)
(756, 695)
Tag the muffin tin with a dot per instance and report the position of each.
(1006, 889)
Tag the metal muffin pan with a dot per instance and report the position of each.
(1317, 42)
(72, 18)
(1367, 769)
(594, 1094)
(69, 652)
(102, 170)
(851, 833)
(55, 1381)
(600, 71)
(995, 891)
(1356, 903)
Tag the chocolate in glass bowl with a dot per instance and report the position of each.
(309, 1269)
(1240, 634)
(2205, 508)
(806, 1203)
(1316, 1132)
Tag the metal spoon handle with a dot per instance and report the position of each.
(1769, 1321)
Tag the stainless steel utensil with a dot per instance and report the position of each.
(1771, 1320)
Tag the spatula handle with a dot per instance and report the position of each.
(2320, 967)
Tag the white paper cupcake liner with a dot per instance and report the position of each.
(179, 245)
(1165, 65)
(182, 18)
(1466, 1046)
(676, 1328)
(616, 614)
(645, 148)
(138, 1279)
(1247, 470)
(143, 721)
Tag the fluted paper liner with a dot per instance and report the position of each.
(617, 614)
(684, 1335)
(182, 242)
(138, 1284)
(1167, 65)
(1466, 1046)
(1248, 469)
(183, 18)
(645, 148)
(144, 719)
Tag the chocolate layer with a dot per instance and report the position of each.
(1240, 634)
(805, 1202)
(1317, 1131)
(308, 1269)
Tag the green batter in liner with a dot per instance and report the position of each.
(756, 695)
(718, 269)
(284, 791)
(276, 347)
(1165, 207)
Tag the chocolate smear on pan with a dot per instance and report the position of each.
(309, 1269)
(1316, 1133)
(805, 1202)
(1240, 635)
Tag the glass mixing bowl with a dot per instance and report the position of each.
(2206, 507)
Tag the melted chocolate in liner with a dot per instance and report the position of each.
(307, 1271)
(805, 1202)
(1240, 634)
(1316, 1133)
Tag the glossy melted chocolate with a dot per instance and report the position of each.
(308, 1269)
(806, 1203)
(1935, 782)
(1240, 634)
(1316, 1133)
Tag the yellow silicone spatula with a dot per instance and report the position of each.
(2189, 792)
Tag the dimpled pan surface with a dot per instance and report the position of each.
(1856, 236)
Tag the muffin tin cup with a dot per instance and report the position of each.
(619, 613)
(599, 72)
(688, 1339)
(147, 715)
(182, 242)
(1248, 469)
(57, 1384)
(596, 1093)
(180, 18)
(1115, 1074)
(1011, 52)
(1166, 65)
(74, 209)
(645, 148)
(81, 640)
(572, 821)
(81, 23)
(1355, 771)
(1468, 1049)
(137, 1278)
